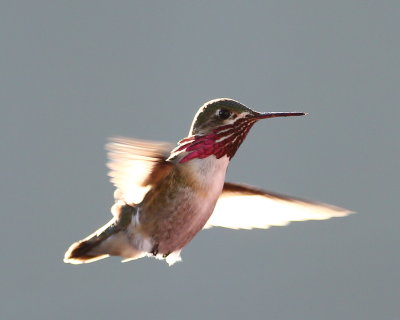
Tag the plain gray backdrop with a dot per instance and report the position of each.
(76, 72)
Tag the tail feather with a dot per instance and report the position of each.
(111, 239)
(80, 252)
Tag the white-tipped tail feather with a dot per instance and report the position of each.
(109, 240)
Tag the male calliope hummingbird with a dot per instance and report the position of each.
(164, 195)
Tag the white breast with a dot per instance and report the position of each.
(210, 173)
(209, 177)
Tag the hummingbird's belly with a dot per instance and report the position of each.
(183, 223)
(174, 211)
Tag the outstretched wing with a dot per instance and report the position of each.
(135, 165)
(245, 207)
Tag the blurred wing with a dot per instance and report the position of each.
(135, 165)
(245, 207)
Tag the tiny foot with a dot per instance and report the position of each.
(154, 250)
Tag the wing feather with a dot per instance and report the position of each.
(245, 207)
(135, 165)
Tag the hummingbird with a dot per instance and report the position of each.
(165, 195)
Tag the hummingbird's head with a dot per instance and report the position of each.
(227, 113)
(220, 126)
(216, 113)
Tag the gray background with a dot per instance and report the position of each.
(74, 73)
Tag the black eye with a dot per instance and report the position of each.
(224, 114)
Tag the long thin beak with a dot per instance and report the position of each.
(266, 115)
